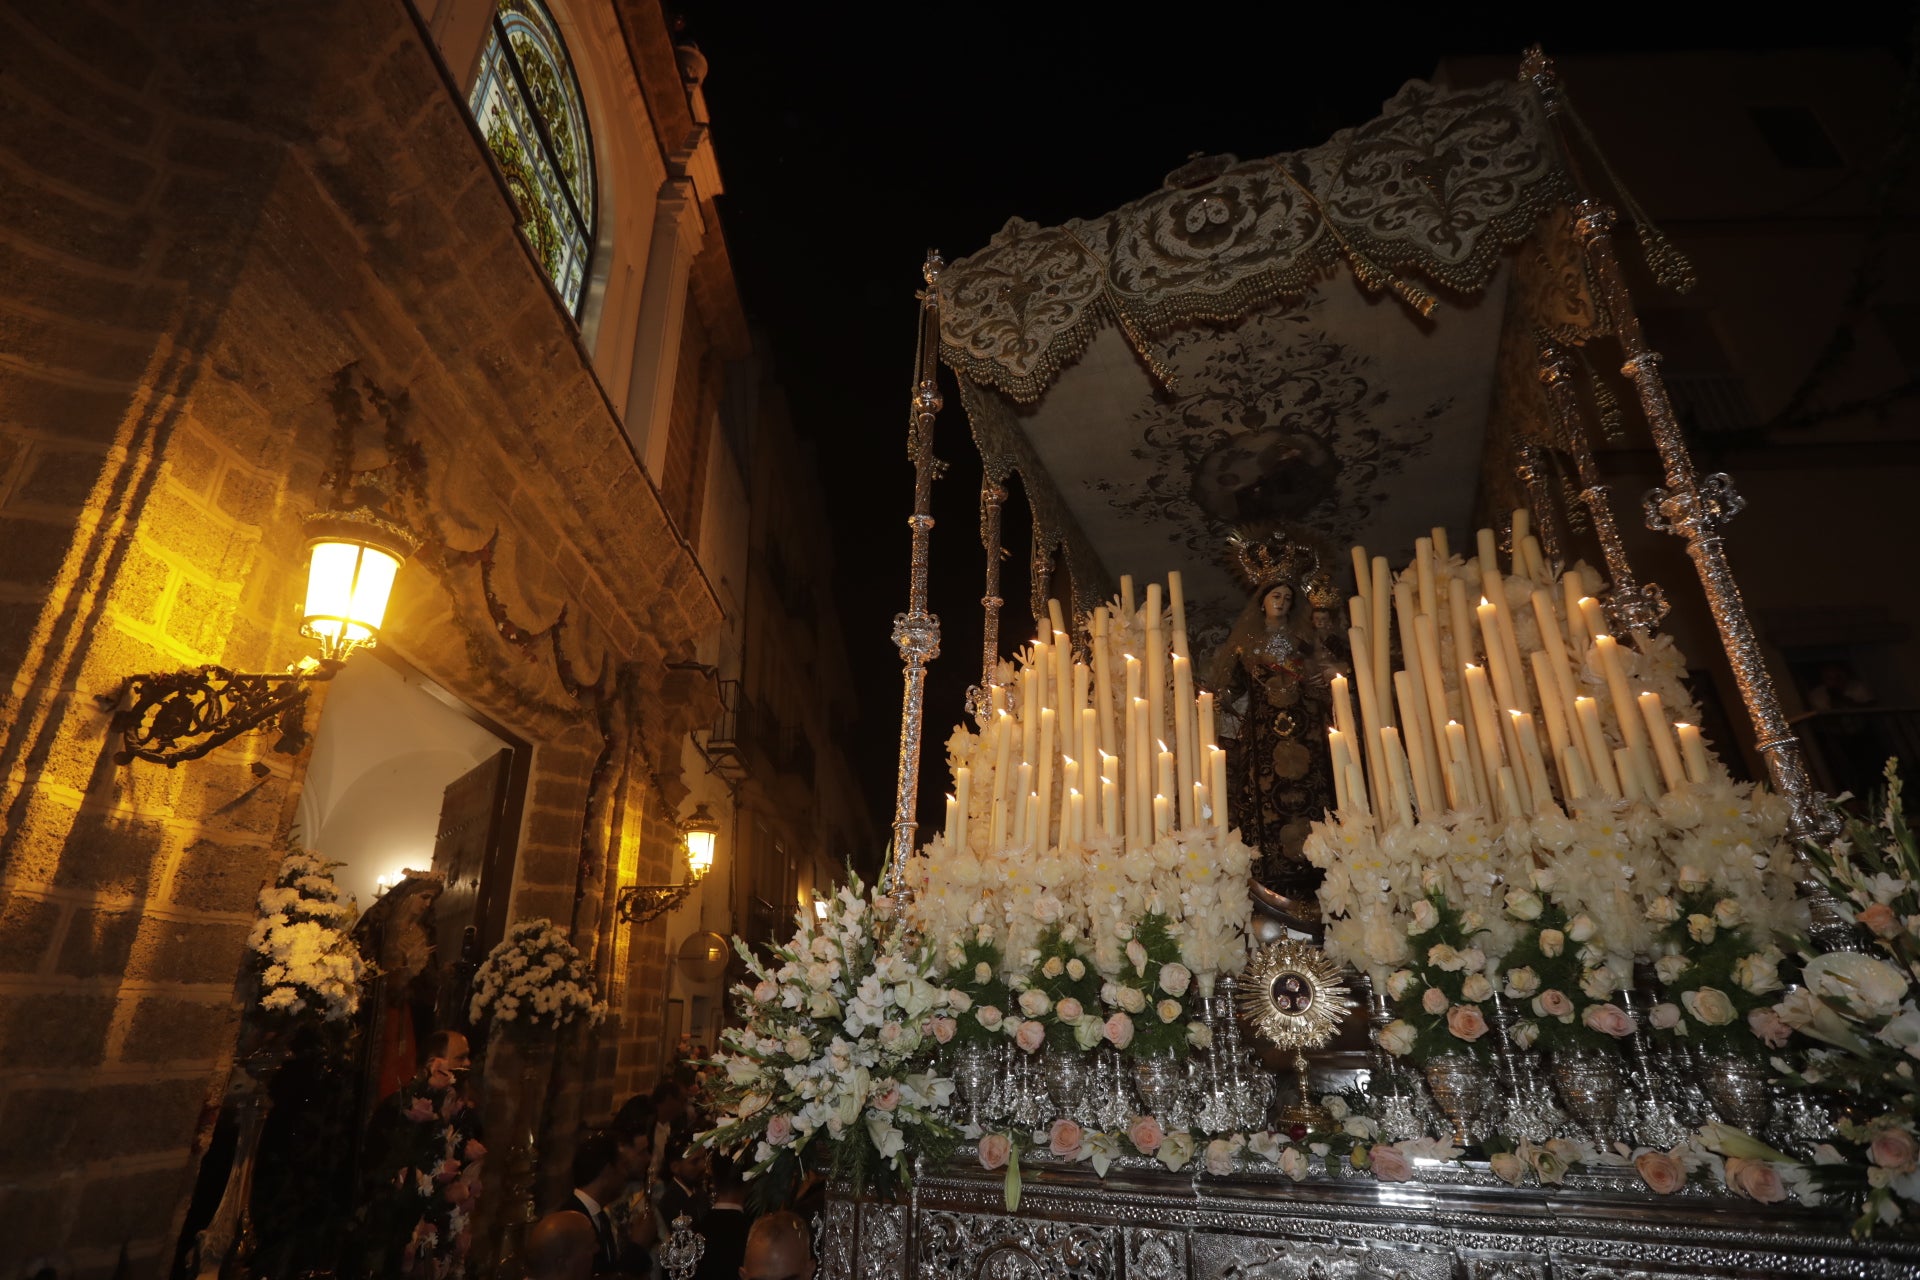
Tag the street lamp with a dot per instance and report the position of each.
(642, 903)
(353, 556)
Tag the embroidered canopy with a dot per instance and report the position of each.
(1198, 359)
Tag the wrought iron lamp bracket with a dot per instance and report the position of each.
(170, 717)
(640, 904)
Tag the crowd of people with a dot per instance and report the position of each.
(633, 1182)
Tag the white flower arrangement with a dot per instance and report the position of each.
(535, 979)
(302, 943)
(1612, 862)
(836, 1049)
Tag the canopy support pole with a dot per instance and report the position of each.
(917, 632)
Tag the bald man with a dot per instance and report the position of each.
(560, 1247)
(778, 1248)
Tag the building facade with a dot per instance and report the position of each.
(465, 251)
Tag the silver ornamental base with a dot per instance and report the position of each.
(973, 1078)
(1737, 1088)
(1459, 1084)
(1159, 1081)
(1065, 1072)
(1589, 1083)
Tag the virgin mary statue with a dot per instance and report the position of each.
(1273, 678)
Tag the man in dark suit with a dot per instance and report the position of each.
(684, 1190)
(600, 1173)
(725, 1225)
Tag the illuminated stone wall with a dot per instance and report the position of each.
(211, 213)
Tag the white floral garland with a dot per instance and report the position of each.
(303, 944)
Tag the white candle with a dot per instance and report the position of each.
(1427, 788)
(1599, 754)
(1090, 753)
(1509, 645)
(1579, 787)
(1342, 706)
(1660, 733)
(1164, 777)
(1217, 770)
(1126, 598)
(1440, 542)
(1571, 589)
(1489, 549)
(1464, 795)
(1423, 567)
(1510, 805)
(1460, 628)
(1486, 728)
(1593, 618)
(1633, 732)
(951, 828)
(1069, 779)
(1202, 808)
(1503, 679)
(1043, 782)
(1110, 794)
(1103, 682)
(1631, 782)
(1156, 668)
(1177, 609)
(1426, 647)
(1396, 761)
(1552, 675)
(962, 802)
(1551, 709)
(1185, 759)
(1002, 764)
(1162, 816)
(1542, 790)
(1076, 817)
(1022, 804)
(1337, 751)
(1140, 778)
(1357, 790)
(1380, 631)
(1370, 714)
(1362, 579)
(1204, 705)
(1536, 568)
(1693, 749)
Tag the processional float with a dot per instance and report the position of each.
(1478, 779)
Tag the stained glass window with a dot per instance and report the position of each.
(528, 105)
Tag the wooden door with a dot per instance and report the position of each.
(473, 855)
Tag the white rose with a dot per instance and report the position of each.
(983, 972)
(1524, 1034)
(1397, 983)
(1757, 974)
(1174, 979)
(1054, 967)
(1168, 1009)
(1476, 988)
(1424, 918)
(1034, 1003)
(1727, 914)
(1663, 910)
(1669, 968)
(1445, 958)
(1582, 928)
(1524, 905)
(959, 1001)
(1076, 969)
(1552, 942)
(1522, 983)
(1397, 1038)
(1132, 999)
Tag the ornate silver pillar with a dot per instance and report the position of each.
(1695, 508)
(993, 497)
(1634, 606)
(917, 631)
(1529, 466)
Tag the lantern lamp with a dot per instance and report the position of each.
(352, 560)
(640, 903)
(702, 831)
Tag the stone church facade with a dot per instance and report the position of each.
(236, 232)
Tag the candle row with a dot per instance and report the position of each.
(1458, 726)
(1074, 751)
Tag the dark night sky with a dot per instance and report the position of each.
(852, 140)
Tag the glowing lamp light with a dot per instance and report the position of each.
(820, 908)
(702, 831)
(352, 560)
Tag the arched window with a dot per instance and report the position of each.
(528, 105)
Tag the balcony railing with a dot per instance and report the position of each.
(1848, 750)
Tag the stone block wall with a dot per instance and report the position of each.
(213, 211)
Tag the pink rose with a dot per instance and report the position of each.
(1756, 1179)
(1553, 1003)
(1767, 1025)
(995, 1150)
(1434, 1001)
(1466, 1022)
(943, 1029)
(448, 1171)
(1030, 1036)
(1880, 919)
(1119, 1031)
(780, 1130)
(1663, 1174)
(1608, 1020)
(1145, 1134)
(1064, 1139)
(420, 1110)
(1068, 1009)
(1893, 1149)
(888, 1100)
(474, 1151)
(1390, 1164)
